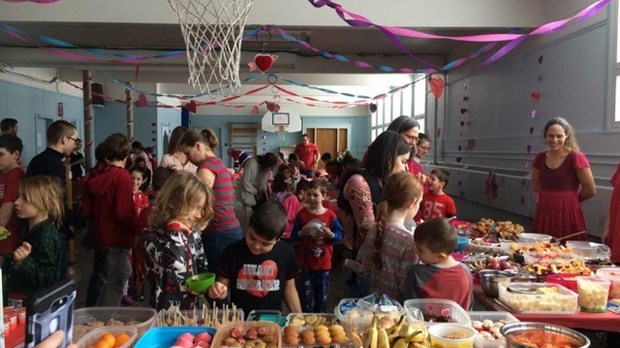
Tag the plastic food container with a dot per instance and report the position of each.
(537, 334)
(589, 250)
(534, 238)
(95, 335)
(311, 319)
(164, 337)
(440, 336)
(489, 321)
(267, 315)
(359, 317)
(613, 275)
(293, 333)
(462, 243)
(86, 319)
(593, 294)
(273, 331)
(435, 311)
(538, 298)
(568, 281)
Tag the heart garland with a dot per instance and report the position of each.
(437, 86)
(273, 106)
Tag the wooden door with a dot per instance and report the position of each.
(329, 140)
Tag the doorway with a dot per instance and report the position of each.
(330, 140)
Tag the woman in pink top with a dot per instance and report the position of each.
(175, 158)
(562, 177)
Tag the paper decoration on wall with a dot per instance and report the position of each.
(535, 95)
(463, 110)
(471, 143)
(529, 148)
(531, 130)
(437, 86)
(262, 62)
(526, 164)
(438, 131)
(460, 147)
(372, 107)
(462, 123)
(533, 114)
(254, 110)
(460, 183)
(491, 189)
(459, 159)
(465, 98)
(540, 59)
(461, 135)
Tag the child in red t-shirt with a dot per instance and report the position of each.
(438, 276)
(317, 228)
(437, 203)
(10, 176)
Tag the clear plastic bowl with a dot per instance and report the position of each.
(538, 298)
(500, 342)
(95, 335)
(593, 293)
(164, 337)
(144, 318)
(439, 332)
(613, 275)
(438, 309)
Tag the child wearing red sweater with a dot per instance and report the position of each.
(437, 203)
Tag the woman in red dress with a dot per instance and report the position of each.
(558, 172)
(611, 233)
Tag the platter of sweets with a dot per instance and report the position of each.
(574, 266)
(309, 329)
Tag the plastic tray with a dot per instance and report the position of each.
(190, 314)
(437, 308)
(360, 318)
(302, 328)
(271, 316)
(330, 319)
(91, 338)
(144, 316)
(164, 337)
(224, 331)
(480, 342)
(563, 302)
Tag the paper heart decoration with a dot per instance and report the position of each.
(540, 59)
(470, 144)
(258, 280)
(531, 130)
(461, 135)
(438, 131)
(460, 147)
(533, 114)
(540, 78)
(463, 110)
(529, 148)
(491, 189)
(141, 102)
(254, 110)
(522, 200)
(462, 123)
(372, 107)
(192, 106)
(466, 98)
(437, 86)
(460, 183)
(459, 159)
(535, 95)
(273, 107)
(263, 62)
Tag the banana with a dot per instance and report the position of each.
(401, 343)
(383, 339)
(372, 335)
(417, 345)
(406, 331)
(417, 337)
(396, 328)
(356, 339)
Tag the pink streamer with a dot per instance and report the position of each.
(35, 1)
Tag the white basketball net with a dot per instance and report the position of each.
(213, 31)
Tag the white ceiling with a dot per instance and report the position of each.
(149, 26)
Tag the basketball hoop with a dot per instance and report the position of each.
(213, 30)
(282, 133)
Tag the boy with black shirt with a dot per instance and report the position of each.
(260, 269)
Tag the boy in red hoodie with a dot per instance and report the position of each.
(108, 202)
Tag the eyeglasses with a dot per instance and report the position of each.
(74, 139)
(410, 137)
(424, 148)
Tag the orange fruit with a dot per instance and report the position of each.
(108, 338)
(121, 339)
(103, 344)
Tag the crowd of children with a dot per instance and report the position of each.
(148, 228)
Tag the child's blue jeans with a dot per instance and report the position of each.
(313, 288)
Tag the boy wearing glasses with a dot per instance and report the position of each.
(61, 141)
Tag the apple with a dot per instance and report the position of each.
(494, 264)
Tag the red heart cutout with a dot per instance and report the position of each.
(263, 61)
(141, 102)
(437, 86)
(254, 110)
(258, 280)
(459, 159)
(191, 106)
(470, 144)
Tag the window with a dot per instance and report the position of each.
(409, 101)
